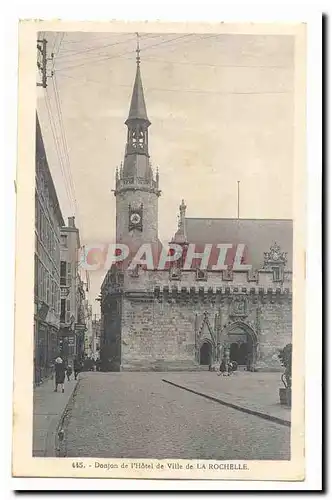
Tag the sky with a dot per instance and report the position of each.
(221, 108)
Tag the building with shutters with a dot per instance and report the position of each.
(48, 221)
(72, 294)
(178, 318)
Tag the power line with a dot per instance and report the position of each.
(59, 45)
(106, 58)
(91, 49)
(84, 40)
(153, 59)
(89, 57)
(199, 91)
(54, 42)
(64, 140)
(57, 146)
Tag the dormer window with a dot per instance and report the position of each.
(277, 273)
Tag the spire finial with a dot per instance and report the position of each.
(138, 50)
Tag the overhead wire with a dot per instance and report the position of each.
(54, 42)
(84, 40)
(189, 63)
(92, 49)
(106, 58)
(199, 91)
(64, 143)
(57, 147)
(95, 58)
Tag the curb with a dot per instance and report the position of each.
(56, 441)
(257, 413)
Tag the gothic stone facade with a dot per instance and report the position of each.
(182, 319)
(154, 323)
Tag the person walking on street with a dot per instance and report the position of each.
(60, 373)
(77, 367)
(69, 371)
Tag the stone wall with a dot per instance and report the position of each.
(170, 332)
(162, 323)
(275, 331)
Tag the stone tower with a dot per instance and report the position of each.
(136, 187)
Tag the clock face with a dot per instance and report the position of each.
(135, 218)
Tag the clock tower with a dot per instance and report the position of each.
(136, 186)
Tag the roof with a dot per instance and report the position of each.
(256, 234)
(137, 109)
(137, 165)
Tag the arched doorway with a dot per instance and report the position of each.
(205, 354)
(242, 343)
(239, 352)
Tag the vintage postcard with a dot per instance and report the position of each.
(160, 267)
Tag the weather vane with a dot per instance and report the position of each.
(138, 59)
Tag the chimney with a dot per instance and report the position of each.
(71, 221)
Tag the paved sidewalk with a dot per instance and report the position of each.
(256, 392)
(48, 407)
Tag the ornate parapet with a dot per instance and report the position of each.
(190, 285)
(238, 297)
(134, 183)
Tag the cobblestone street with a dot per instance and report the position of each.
(137, 415)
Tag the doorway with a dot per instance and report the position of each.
(205, 354)
(241, 341)
(239, 352)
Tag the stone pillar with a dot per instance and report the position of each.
(196, 339)
(227, 349)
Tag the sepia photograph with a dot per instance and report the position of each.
(166, 229)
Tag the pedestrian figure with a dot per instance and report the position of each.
(77, 367)
(60, 373)
(222, 368)
(69, 371)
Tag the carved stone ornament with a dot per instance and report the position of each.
(201, 275)
(134, 273)
(239, 306)
(275, 256)
(175, 273)
(227, 275)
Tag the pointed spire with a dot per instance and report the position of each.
(137, 109)
(181, 234)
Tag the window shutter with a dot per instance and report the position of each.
(69, 273)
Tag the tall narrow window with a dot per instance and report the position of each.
(69, 273)
(276, 274)
(63, 311)
(63, 273)
(68, 311)
(64, 240)
(48, 283)
(40, 280)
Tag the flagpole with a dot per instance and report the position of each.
(238, 199)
